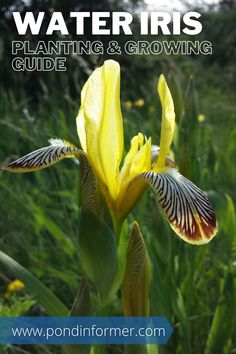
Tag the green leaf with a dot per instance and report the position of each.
(97, 251)
(136, 349)
(122, 260)
(223, 324)
(81, 307)
(82, 304)
(19, 308)
(231, 223)
(191, 101)
(50, 302)
(179, 307)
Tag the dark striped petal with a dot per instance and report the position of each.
(186, 207)
(58, 150)
(89, 189)
(44, 157)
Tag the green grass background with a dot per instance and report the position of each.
(195, 287)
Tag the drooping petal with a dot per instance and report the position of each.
(44, 157)
(168, 122)
(186, 207)
(101, 121)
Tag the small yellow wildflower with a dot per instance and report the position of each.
(13, 287)
(139, 103)
(128, 105)
(201, 118)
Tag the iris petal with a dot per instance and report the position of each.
(138, 160)
(168, 122)
(136, 144)
(100, 120)
(186, 207)
(80, 120)
(44, 157)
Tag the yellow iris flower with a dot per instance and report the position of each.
(100, 130)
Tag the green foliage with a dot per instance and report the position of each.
(51, 303)
(19, 308)
(224, 321)
(98, 255)
(193, 286)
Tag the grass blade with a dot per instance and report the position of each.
(222, 328)
(51, 303)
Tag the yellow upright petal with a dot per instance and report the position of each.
(80, 120)
(136, 144)
(168, 122)
(100, 122)
(137, 161)
(142, 160)
(111, 130)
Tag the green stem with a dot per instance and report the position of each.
(153, 349)
(117, 224)
(98, 349)
(136, 349)
(82, 306)
(76, 349)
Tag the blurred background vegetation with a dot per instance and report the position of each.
(195, 287)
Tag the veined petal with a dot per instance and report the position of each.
(44, 157)
(186, 207)
(58, 150)
(101, 121)
(89, 189)
(168, 122)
